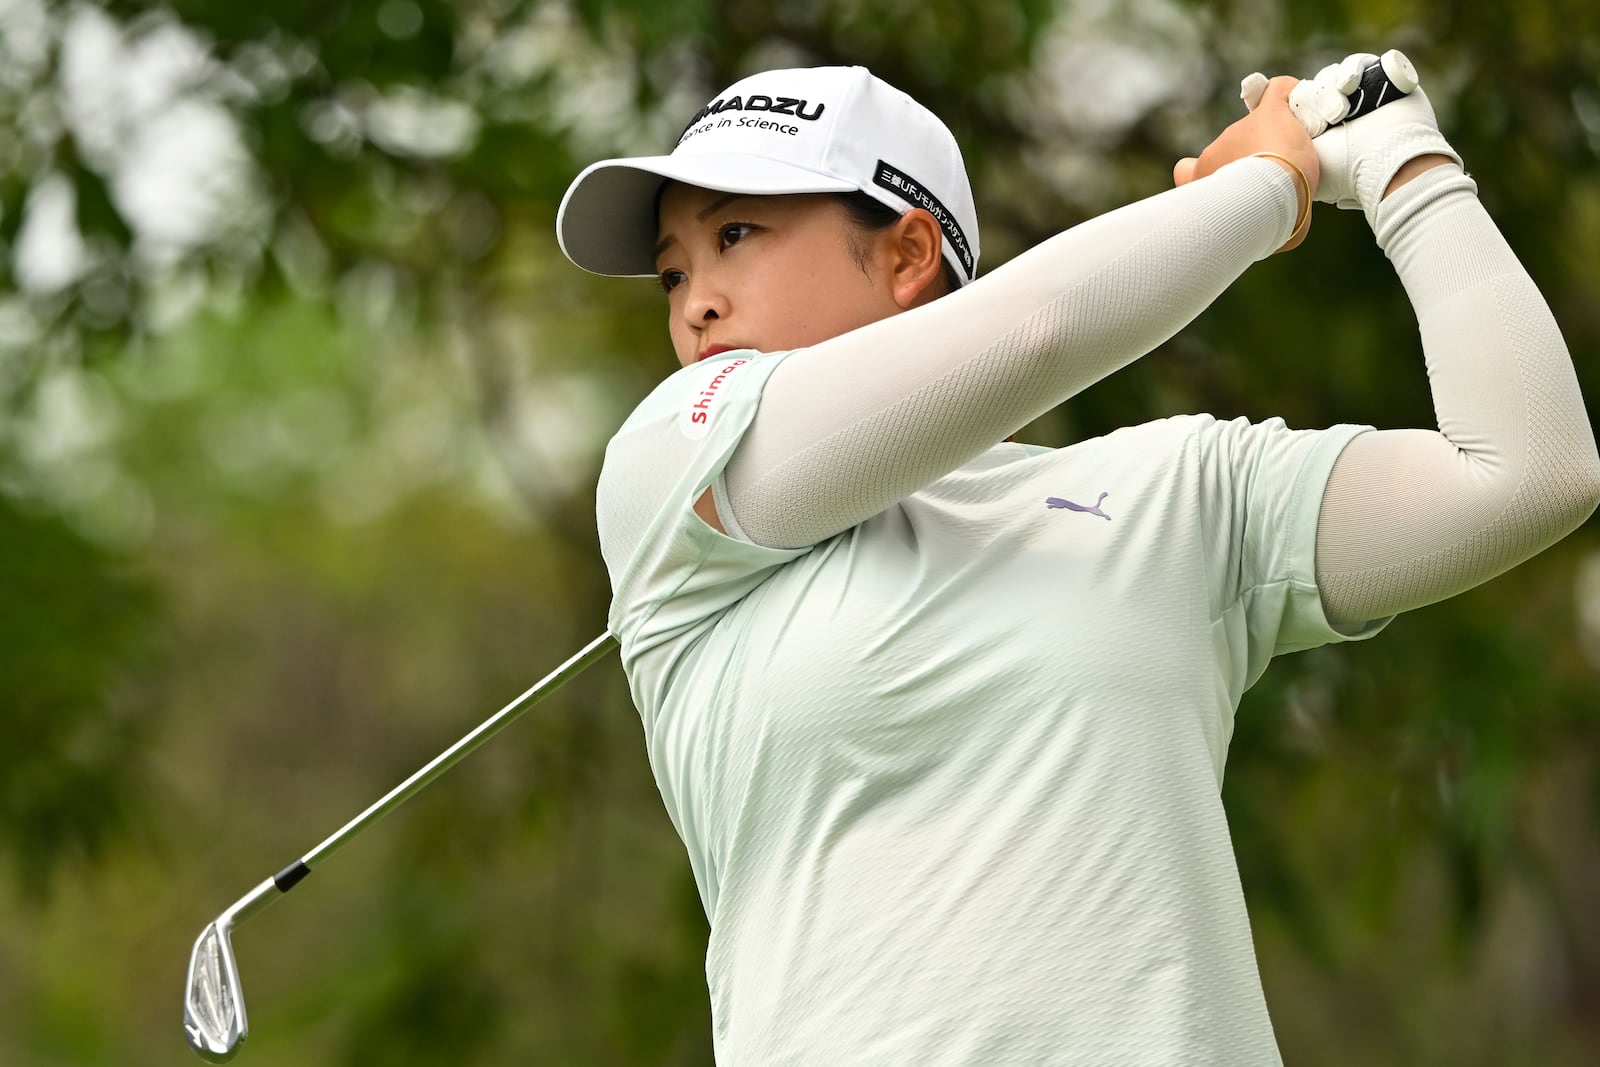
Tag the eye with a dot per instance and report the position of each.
(731, 233)
(669, 280)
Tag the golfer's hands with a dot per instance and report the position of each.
(1270, 127)
(1364, 159)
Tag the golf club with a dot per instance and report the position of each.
(213, 1004)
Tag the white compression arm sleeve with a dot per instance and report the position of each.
(1413, 516)
(852, 425)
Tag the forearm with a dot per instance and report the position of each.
(1410, 517)
(854, 424)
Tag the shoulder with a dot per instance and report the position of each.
(692, 399)
(674, 444)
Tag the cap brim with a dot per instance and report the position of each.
(607, 221)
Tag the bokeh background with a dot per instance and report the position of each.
(301, 412)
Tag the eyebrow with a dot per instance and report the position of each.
(701, 216)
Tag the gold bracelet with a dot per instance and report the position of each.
(1305, 183)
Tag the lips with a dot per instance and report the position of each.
(716, 350)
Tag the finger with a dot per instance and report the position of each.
(1183, 173)
(1318, 105)
(1277, 91)
(1251, 88)
(1303, 103)
(1351, 69)
(1333, 104)
(1334, 74)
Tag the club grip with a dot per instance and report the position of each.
(1390, 78)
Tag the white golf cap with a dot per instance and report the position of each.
(809, 130)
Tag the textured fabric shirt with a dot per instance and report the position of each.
(950, 781)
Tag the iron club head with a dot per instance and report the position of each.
(213, 1003)
(213, 1007)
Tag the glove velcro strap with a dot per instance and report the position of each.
(1403, 144)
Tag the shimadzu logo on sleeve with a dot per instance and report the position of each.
(701, 405)
(711, 116)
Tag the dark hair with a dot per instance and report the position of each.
(870, 215)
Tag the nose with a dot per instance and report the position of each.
(706, 302)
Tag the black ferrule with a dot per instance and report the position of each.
(290, 876)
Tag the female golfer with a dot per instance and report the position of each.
(940, 718)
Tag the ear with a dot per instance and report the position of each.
(915, 258)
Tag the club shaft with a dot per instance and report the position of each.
(591, 652)
(247, 905)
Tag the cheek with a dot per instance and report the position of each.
(683, 340)
(842, 300)
(827, 296)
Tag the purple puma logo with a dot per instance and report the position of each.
(1057, 502)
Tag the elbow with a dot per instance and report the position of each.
(1556, 494)
(1574, 490)
(1590, 485)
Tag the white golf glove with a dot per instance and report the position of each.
(1359, 158)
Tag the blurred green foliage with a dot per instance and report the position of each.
(76, 656)
(300, 415)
